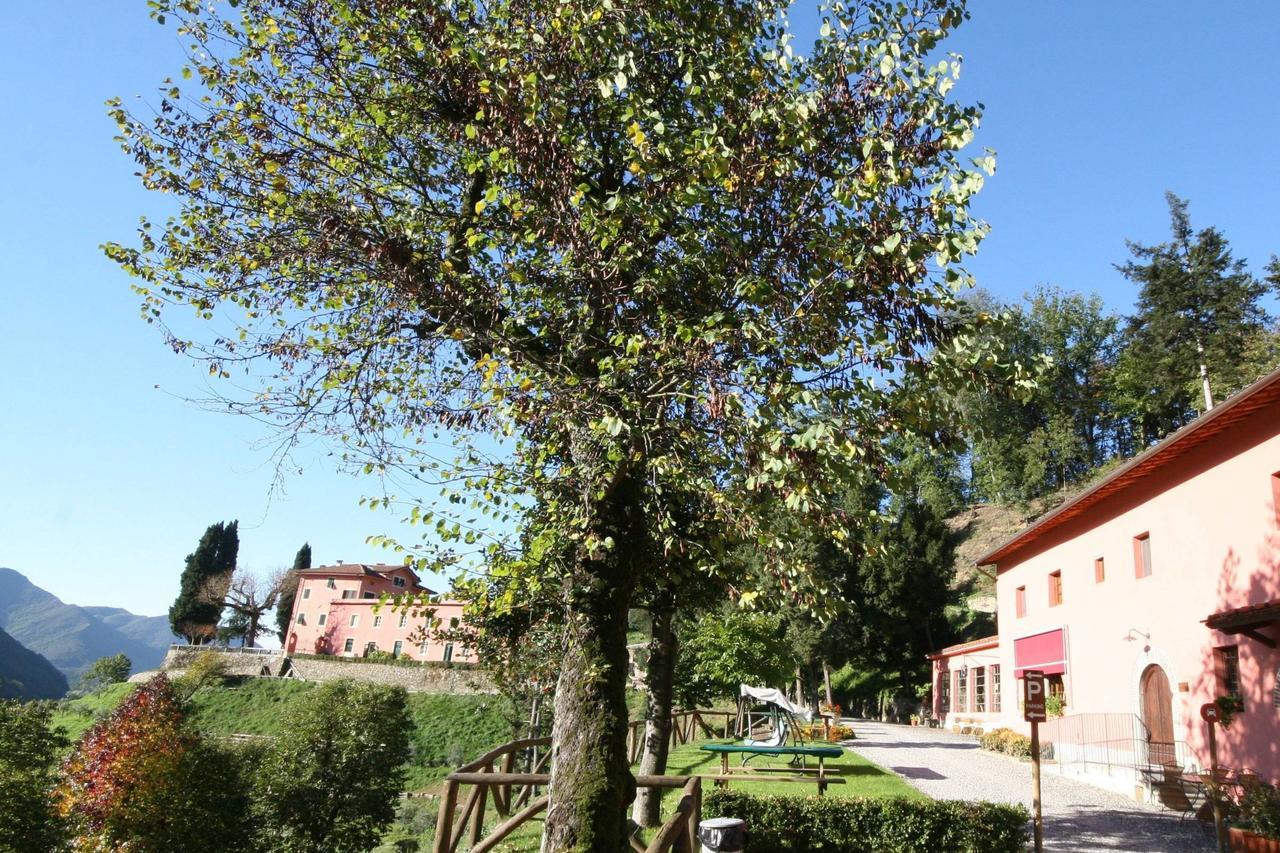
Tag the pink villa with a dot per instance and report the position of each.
(1152, 593)
(335, 613)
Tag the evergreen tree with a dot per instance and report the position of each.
(289, 589)
(205, 580)
(1199, 320)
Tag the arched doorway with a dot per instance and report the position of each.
(293, 642)
(1157, 715)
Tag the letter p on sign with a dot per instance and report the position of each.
(1033, 696)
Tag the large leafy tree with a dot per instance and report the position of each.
(331, 781)
(1200, 330)
(646, 245)
(29, 748)
(205, 580)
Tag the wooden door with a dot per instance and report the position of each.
(1157, 715)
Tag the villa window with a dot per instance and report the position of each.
(355, 620)
(980, 689)
(422, 648)
(1020, 602)
(397, 581)
(349, 646)
(962, 690)
(1099, 570)
(331, 583)
(306, 593)
(396, 647)
(1227, 664)
(368, 595)
(993, 672)
(369, 648)
(377, 621)
(1142, 555)
(302, 618)
(324, 617)
(453, 623)
(944, 691)
(1055, 588)
(348, 593)
(404, 620)
(448, 652)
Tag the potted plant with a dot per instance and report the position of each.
(1228, 707)
(1054, 706)
(1258, 830)
(915, 719)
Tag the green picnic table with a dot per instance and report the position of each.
(797, 753)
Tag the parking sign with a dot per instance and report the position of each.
(1033, 696)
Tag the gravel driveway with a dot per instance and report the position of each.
(1077, 816)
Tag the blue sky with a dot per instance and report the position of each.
(106, 482)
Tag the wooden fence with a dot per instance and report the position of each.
(515, 796)
(685, 726)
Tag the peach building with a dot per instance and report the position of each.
(336, 612)
(1153, 592)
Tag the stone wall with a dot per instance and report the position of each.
(415, 679)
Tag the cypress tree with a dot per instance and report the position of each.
(205, 578)
(289, 589)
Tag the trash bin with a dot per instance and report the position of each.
(723, 835)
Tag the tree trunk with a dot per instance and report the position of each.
(826, 682)
(659, 679)
(591, 782)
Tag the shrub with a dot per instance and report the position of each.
(1006, 741)
(29, 748)
(1260, 808)
(793, 824)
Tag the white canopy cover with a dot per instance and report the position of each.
(774, 697)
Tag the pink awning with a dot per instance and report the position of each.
(1045, 652)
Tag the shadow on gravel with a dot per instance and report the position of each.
(1116, 830)
(917, 772)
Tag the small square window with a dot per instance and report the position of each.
(377, 621)
(453, 623)
(1099, 570)
(1055, 588)
(397, 581)
(369, 648)
(1142, 555)
(1020, 602)
(306, 593)
(348, 593)
(404, 620)
(355, 620)
(324, 617)
(368, 595)
(331, 583)
(349, 645)
(302, 618)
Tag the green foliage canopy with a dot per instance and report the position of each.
(29, 749)
(205, 579)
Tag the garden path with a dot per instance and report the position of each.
(1077, 816)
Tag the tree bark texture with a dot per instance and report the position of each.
(659, 679)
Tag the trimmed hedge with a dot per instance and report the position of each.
(793, 824)
(1008, 742)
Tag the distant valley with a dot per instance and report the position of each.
(72, 637)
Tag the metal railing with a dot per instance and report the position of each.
(235, 650)
(1111, 742)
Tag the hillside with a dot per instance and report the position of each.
(449, 729)
(72, 637)
(25, 674)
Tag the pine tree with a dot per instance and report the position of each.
(1199, 317)
(289, 589)
(205, 579)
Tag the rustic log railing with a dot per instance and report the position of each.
(685, 726)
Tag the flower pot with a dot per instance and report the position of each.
(1244, 841)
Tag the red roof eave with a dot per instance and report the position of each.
(961, 648)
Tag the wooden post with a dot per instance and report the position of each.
(444, 821)
(477, 819)
(1035, 787)
(1214, 791)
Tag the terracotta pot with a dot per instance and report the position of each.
(1244, 841)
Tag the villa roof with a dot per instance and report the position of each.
(971, 646)
(358, 569)
(1261, 394)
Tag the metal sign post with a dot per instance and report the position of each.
(1033, 711)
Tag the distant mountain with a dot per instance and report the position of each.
(25, 674)
(73, 637)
